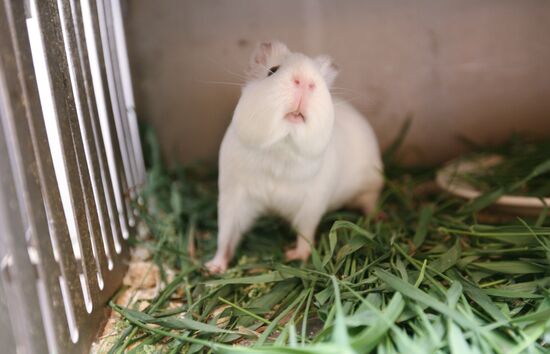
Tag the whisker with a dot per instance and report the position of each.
(219, 83)
(226, 70)
(347, 95)
(344, 89)
(352, 99)
(264, 66)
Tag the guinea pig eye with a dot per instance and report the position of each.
(273, 70)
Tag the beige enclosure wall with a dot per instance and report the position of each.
(478, 69)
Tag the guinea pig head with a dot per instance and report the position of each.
(286, 100)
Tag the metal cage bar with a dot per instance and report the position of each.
(32, 214)
(117, 57)
(120, 40)
(113, 78)
(19, 51)
(94, 127)
(72, 149)
(101, 39)
(43, 282)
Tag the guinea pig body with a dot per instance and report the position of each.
(293, 151)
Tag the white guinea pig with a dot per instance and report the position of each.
(293, 150)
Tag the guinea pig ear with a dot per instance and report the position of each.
(328, 69)
(265, 56)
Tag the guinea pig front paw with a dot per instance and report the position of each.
(298, 253)
(216, 265)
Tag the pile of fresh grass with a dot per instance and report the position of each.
(434, 276)
(509, 175)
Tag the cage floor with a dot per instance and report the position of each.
(435, 274)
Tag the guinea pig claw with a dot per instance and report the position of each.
(216, 265)
(297, 254)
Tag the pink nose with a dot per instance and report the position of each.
(303, 83)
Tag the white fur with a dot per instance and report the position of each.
(298, 171)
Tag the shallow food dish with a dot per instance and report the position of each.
(448, 178)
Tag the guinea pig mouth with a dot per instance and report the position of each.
(295, 117)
